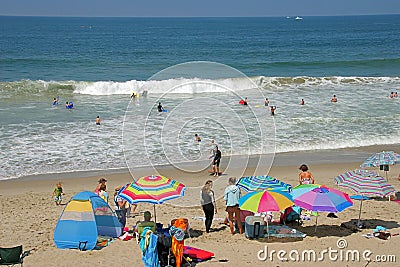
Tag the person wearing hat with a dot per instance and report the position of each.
(102, 182)
(120, 209)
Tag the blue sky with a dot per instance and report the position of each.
(195, 8)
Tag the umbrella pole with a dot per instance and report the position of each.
(359, 214)
(316, 223)
(267, 230)
(155, 215)
(386, 176)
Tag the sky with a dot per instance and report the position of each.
(196, 8)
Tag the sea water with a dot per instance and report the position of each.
(98, 62)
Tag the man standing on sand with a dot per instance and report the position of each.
(231, 197)
(216, 161)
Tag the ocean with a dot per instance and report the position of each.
(199, 69)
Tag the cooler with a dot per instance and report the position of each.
(254, 227)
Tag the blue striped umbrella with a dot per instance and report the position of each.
(382, 158)
(262, 182)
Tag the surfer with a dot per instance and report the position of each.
(98, 120)
(160, 107)
(334, 99)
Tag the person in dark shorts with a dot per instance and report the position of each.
(216, 161)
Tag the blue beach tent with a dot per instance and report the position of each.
(84, 218)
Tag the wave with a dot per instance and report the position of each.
(182, 85)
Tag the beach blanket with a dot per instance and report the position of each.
(197, 254)
(281, 231)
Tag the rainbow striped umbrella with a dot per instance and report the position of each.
(366, 183)
(262, 182)
(264, 201)
(154, 189)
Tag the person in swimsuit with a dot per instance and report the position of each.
(272, 109)
(334, 99)
(98, 120)
(302, 102)
(197, 138)
(266, 102)
(305, 177)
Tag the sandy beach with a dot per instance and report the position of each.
(29, 215)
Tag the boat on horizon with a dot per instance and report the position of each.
(298, 18)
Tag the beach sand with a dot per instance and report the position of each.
(28, 216)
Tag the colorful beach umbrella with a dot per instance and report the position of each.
(264, 201)
(262, 182)
(154, 189)
(303, 188)
(383, 160)
(366, 183)
(323, 199)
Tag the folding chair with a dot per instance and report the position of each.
(12, 256)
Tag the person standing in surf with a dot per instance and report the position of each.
(160, 107)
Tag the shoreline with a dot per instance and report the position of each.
(294, 158)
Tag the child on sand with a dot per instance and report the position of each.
(58, 191)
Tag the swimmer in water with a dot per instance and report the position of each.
(272, 109)
(302, 102)
(334, 99)
(266, 102)
(98, 120)
(160, 107)
(55, 101)
(197, 138)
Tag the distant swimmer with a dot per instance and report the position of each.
(302, 102)
(395, 94)
(55, 102)
(160, 107)
(391, 95)
(272, 109)
(98, 120)
(69, 105)
(243, 102)
(266, 102)
(334, 99)
(133, 95)
(197, 138)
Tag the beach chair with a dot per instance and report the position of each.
(140, 227)
(12, 256)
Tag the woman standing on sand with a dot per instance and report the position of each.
(207, 199)
(305, 177)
